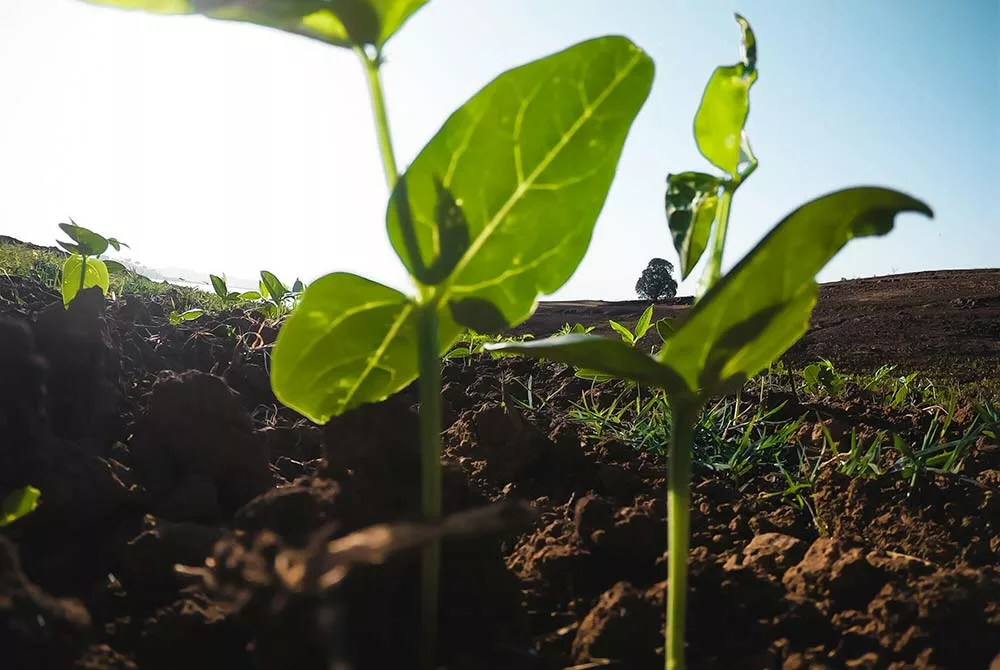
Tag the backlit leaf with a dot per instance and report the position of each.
(96, 274)
(350, 341)
(343, 23)
(719, 121)
(275, 288)
(692, 200)
(18, 503)
(529, 160)
(625, 333)
(219, 286)
(87, 241)
(762, 306)
(596, 354)
(451, 234)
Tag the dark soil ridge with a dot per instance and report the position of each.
(157, 445)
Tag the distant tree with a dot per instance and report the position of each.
(657, 282)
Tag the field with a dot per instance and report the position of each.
(843, 516)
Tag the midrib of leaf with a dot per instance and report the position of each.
(446, 289)
(377, 356)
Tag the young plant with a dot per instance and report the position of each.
(18, 503)
(642, 326)
(83, 269)
(498, 208)
(822, 376)
(743, 321)
(177, 318)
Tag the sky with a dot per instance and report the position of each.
(230, 148)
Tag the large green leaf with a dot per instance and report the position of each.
(529, 159)
(343, 23)
(692, 200)
(725, 104)
(18, 503)
(96, 275)
(762, 306)
(350, 341)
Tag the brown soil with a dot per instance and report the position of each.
(156, 446)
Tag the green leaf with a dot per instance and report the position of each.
(665, 328)
(481, 316)
(96, 274)
(88, 242)
(117, 244)
(725, 104)
(748, 44)
(350, 341)
(115, 266)
(644, 324)
(18, 503)
(529, 160)
(343, 23)
(692, 200)
(275, 288)
(70, 247)
(219, 285)
(596, 354)
(250, 295)
(626, 334)
(762, 306)
(451, 234)
(298, 286)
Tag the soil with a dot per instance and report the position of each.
(157, 446)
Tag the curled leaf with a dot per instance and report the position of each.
(692, 200)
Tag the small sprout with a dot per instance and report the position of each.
(176, 318)
(18, 503)
(83, 269)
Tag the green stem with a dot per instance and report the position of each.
(83, 272)
(683, 420)
(714, 269)
(430, 469)
(381, 118)
(429, 366)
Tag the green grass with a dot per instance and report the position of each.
(43, 265)
(738, 437)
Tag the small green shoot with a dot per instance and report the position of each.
(18, 503)
(177, 318)
(83, 269)
(642, 326)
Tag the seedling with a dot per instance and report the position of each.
(742, 321)
(177, 318)
(83, 269)
(822, 376)
(498, 208)
(642, 326)
(18, 503)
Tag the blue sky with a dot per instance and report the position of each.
(223, 147)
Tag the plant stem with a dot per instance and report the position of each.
(381, 118)
(430, 470)
(683, 420)
(714, 269)
(429, 367)
(83, 273)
